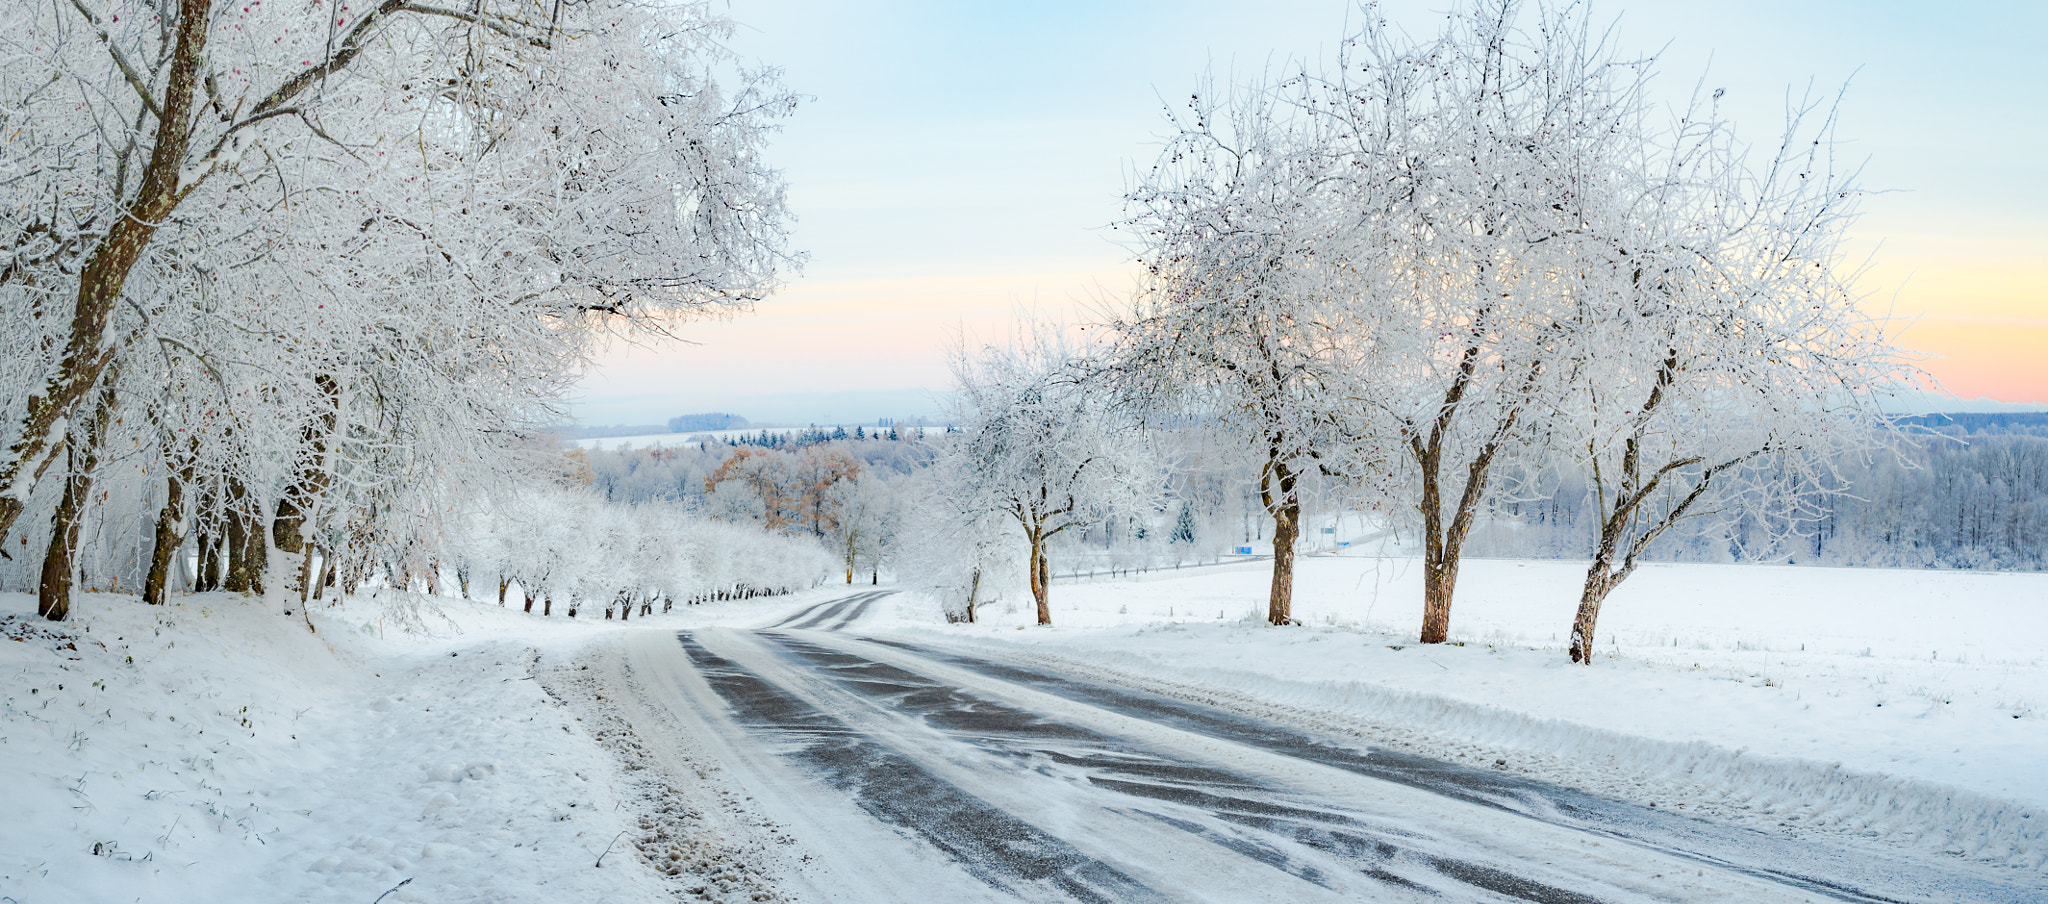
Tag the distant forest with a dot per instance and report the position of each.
(1971, 491)
(2029, 423)
(679, 474)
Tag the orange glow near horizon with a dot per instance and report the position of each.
(1975, 313)
(1977, 309)
(849, 333)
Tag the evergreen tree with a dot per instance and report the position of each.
(1184, 526)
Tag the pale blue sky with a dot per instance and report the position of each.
(958, 161)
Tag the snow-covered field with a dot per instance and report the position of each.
(1907, 705)
(213, 750)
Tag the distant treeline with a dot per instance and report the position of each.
(688, 423)
(1970, 493)
(706, 423)
(678, 474)
(2027, 423)
(814, 434)
(716, 422)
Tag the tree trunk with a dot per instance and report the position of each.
(1277, 491)
(1041, 579)
(1597, 588)
(53, 593)
(244, 543)
(1444, 544)
(91, 347)
(306, 575)
(305, 589)
(326, 579)
(875, 577)
(1286, 527)
(1439, 580)
(169, 538)
(1600, 580)
(235, 576)
(973, 589)
(503, 583)
(208, 578)
(257, 556)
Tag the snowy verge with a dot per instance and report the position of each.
(695, 826)
(1709, 704)
(215, 750)
(1701, 778)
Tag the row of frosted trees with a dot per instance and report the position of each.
(1428, 274)
(291, 284)
(568, 546)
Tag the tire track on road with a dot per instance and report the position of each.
(1838, 874)
(1234, 812)
(992, 845)
(813, 616)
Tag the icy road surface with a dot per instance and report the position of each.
(916, 773)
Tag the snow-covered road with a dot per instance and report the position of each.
(914, 772)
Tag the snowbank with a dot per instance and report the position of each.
(1900, 705)
(213, 750)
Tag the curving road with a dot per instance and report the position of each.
(917, 773)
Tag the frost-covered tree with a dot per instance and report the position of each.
(1043, 445)
(1550, 271)
(564, 544)
(1453, 260)
(869, 521)
(953, 548)
(1722, 363)
(1242, 321)
(1468, 158)
(351, 230)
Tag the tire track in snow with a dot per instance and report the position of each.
(1240, 815)
(992, 845)
(902, 719)
(811, 617)
(858, 611)
(1834, 872)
